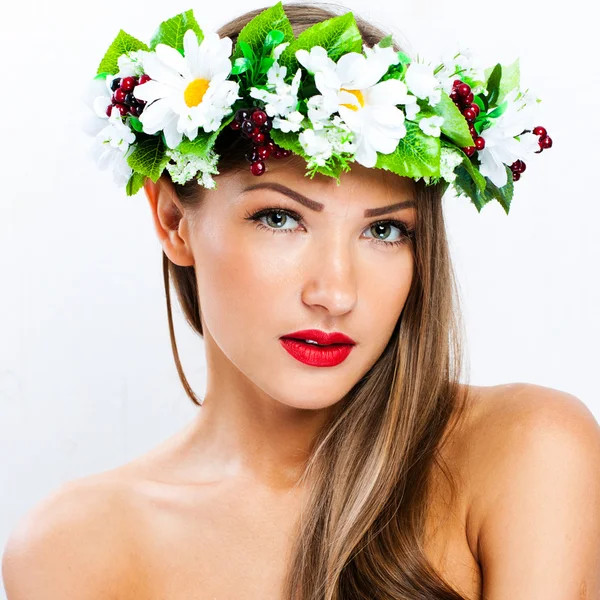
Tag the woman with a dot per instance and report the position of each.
(365, 470)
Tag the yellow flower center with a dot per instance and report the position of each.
(195, 91)
(359, 97)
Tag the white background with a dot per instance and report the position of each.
(87, 380)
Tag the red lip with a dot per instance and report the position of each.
(321, 337)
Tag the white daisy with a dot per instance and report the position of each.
(501, 146)
(352, 88)
(187, 92)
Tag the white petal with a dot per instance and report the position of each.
(172, 136)
(172, 59)
(391, 91)
(190, 49)
(352, 68)
(492, 168)
(155, 116)
(365, 154)
(158, 71)
(152, 90)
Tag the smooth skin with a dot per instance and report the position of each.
(210, 512)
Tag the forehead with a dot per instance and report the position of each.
(361, 188)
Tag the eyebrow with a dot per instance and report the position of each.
(317, 206)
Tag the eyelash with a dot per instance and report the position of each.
(408, 234)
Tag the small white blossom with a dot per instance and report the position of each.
(131, 64)
(450, 158)
(431, 125)
(422, 82)
(188, 166)
(316, 145)
(459, 64)
(293, 122)
(280, 98)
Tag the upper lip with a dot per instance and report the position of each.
(321, 337)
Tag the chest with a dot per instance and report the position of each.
(232, 546)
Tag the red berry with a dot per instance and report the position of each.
(271, 145)
(476, 108)
(115, 83)
(259, 117)
(518, 166)
(278, 153)
(469, 114)
(480, 143)
(258, 167)
(516, 176)
(252, 155)
(127, 84)
(469, 150)
(454, 96)
(119, 95)
(122, 109)
(463, 90)
(286, 153)
(546, 142)
(263, 152)
(235, 125)
(248, 127)
(109, 110)
(243, 114)
(469, 99)
(266, 126)
(258, 138)
(144, 78)
(457, 82)
(540, 131)
(135, 110)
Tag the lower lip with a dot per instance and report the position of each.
(317, 356)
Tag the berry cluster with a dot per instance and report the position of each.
(255, 125)
(545, 142)
(123, 99)
(463, 97)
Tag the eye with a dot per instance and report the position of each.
(276, 217)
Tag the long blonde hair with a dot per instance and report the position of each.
(371, 468)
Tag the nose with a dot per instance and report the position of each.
(330, 278)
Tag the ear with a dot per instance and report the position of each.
(170, 221)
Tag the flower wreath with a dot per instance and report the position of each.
(323, 96)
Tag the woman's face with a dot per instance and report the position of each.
(292, 267)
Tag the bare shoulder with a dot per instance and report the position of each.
(534, 470)
(73, 543)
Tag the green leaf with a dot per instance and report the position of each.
(498, 111)
(149, 157)
(136, 124)
(404, 58)
(274, 38)
(247, 51)
(455, 125)
(465, 184)
(257, 30)
(386, 42)
(171, 31)
(511, 76)
(204, 141)
(417, 155)
(265, 64)
(122, 44)
(337, 35)
(102, 76)
(135, 184)
(241, 65)
(493, 84)
(504, 195)
(478, 100)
